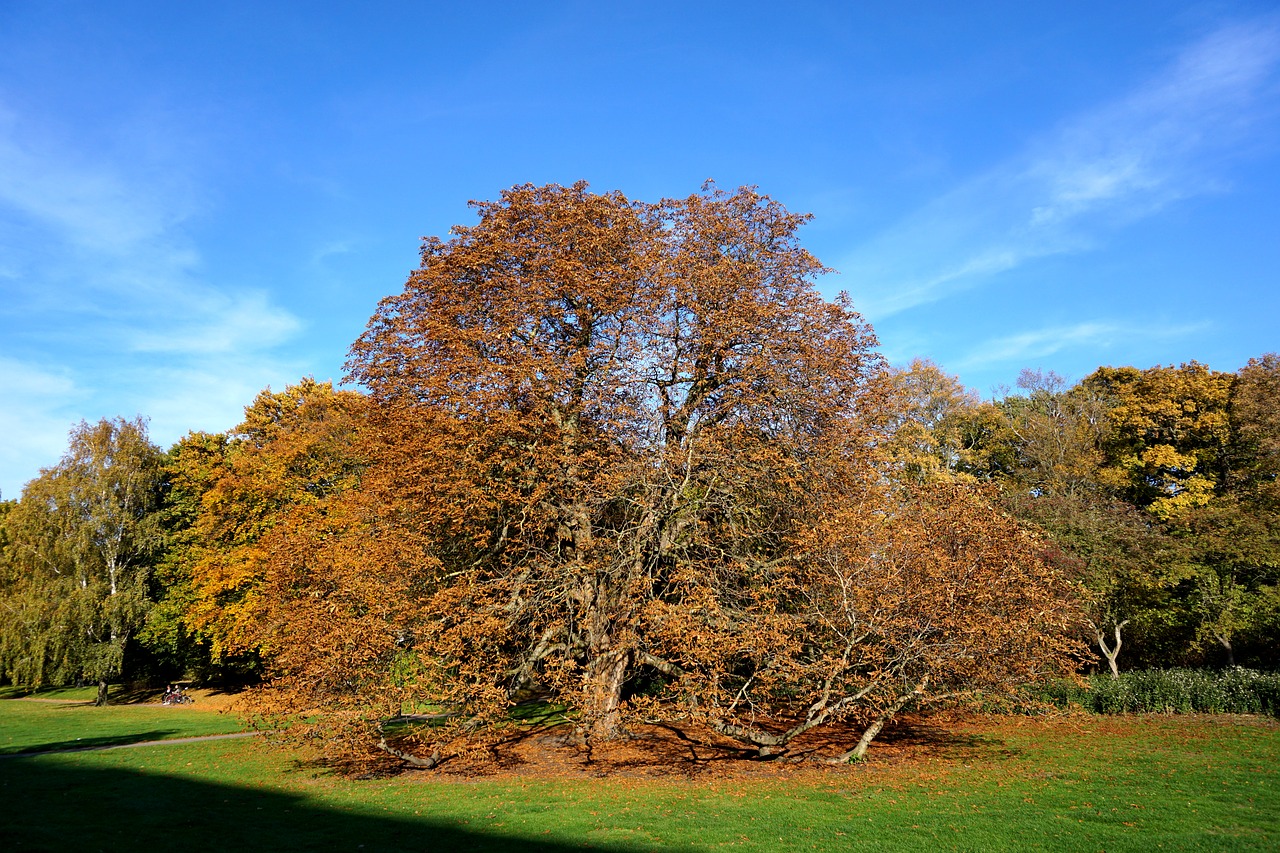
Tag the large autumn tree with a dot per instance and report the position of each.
(607, 443)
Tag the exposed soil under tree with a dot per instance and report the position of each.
(695, 752)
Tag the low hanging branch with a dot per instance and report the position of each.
(771, 744)
(429, 763)
(870, 733)
(436, 757)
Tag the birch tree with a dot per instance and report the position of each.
(83, 537)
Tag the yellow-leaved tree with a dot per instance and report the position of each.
(294, 449)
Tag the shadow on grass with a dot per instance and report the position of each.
(85, 744)
(654, 750)
(133, 695)
(46, 806)
(57, 695)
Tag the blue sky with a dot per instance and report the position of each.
(198, 203)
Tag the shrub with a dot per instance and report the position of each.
(1168, 691)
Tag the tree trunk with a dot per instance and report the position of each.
(102, 693)
(606, 666)
(1225, 642)
(1111, 654)
(602, 686)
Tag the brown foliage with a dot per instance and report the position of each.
(622, 457)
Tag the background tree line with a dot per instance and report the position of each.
(622, 458)
(1157, 488)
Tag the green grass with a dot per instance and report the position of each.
(68, 694)
(1076, 783)
(39, 726)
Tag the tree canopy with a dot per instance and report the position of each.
(81, 545)
(607, 440)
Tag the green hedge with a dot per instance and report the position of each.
(1170, 691)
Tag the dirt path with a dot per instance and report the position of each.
(126, 745)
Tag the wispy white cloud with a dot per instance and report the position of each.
(331, 249)
(36, 410)
(1093, 336)
(217, 324)
(189, 397)
(116, 207)
(108, 310)
(1126, 160)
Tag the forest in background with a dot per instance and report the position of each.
(622, 459)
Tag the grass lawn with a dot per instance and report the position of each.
(70, 694)
(1077, 783)
(30, 726)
